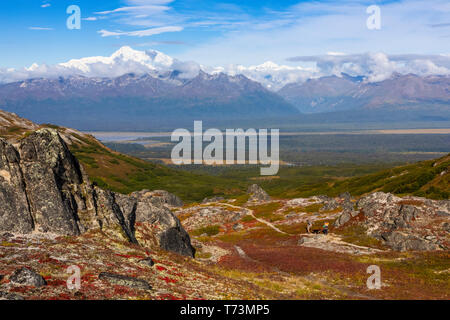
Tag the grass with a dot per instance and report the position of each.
(357, 234)
(266, 211)
(125, 174)
(208, 230)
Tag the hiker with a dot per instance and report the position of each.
(308, 226)
(325, 228)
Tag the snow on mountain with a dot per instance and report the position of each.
(127, 60)
(270, 75)
(375, 67)
(123, 61)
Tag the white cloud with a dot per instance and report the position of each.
(373, 66)
(311, 28)
(40, 28)
(91, 19)
(379, 66)
(140, 33)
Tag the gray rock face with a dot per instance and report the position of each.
(125, 281)
(27, 277)
(409, 223)
(342, 219)
(177, 240)
(329, 204)
(10, 296)
(51, 175)
(170, 234)
(405, 242)
(15, 213)
(257, 193)
(44, 188)
(213, 199)
(160, 198)
(346, 196)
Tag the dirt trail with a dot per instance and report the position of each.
(250, 213)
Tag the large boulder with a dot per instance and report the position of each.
(159, 198)
(257, 193)
(27, 277)
(43, 188)
(409, 223)
(15, 213)
(406, 242)
(342, 219)
(170, 234)
(51, 174)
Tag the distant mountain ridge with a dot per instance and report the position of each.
(132, 97)
(167, 97)
(329, 94)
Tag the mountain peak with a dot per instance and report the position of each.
(128, 53)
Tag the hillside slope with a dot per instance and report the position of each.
(430, 179)
(121, 173)
(126, 174)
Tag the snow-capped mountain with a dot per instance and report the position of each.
(124, 59)
(374, 67)
(137, 87)
(127, 60)
(271, 75)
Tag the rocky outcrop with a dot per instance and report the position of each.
(43, 188)
(257, 193)
(169, 233)
(409, 223)
(406, 242)
(160, 198)
(27, 277)
(212, 199)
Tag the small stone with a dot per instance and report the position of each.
(443, 214)
(237, 227)
(147, 261)
(10, 296)
(125, 281)
(304, 240)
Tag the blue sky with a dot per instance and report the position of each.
(219, 32)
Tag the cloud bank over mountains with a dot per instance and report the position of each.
(374, 67)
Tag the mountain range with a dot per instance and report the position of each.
(87, 94)
(334, 93)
